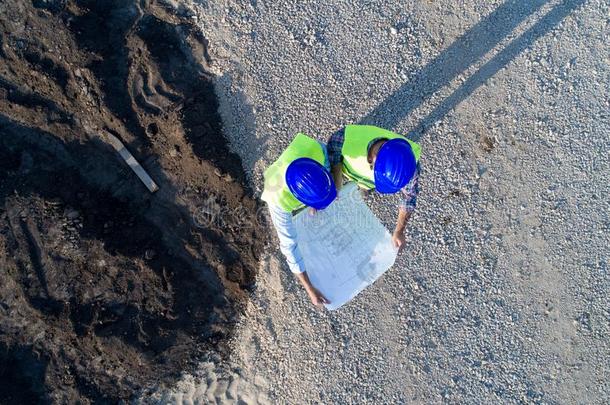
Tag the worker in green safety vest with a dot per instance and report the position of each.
(299, 178)
(376, 158)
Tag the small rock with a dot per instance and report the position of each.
(149, 254)
(393, 31)
(152, 129)
(72, 214)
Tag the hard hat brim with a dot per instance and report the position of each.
(316, 181)
(390, 178)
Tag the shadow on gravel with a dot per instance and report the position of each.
(462, 54)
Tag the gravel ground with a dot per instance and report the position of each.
(502, 292)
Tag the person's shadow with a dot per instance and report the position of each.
(461, 55)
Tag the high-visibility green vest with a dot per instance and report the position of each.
(276, 191)
(355, 152)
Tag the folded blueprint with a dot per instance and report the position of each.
(345, 247)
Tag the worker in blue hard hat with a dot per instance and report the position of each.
(376, 158)
(299, 178)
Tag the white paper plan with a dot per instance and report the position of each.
(345, 247)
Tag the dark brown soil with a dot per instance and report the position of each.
(105, 288)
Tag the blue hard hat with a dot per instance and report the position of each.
(395, 166)
(310, 183)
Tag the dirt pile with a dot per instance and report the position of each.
(106, 288)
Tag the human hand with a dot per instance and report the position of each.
(316, 297)
(398, 240)
(312, 211)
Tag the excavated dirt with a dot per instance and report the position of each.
(105, 288)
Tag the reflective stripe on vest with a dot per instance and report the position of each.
(276, 191)
(355, 152)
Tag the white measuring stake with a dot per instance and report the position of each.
(132, 162)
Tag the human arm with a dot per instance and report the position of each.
(398, 237)
(286, 232)
(406, 209)
(337, 172)
(316, 297)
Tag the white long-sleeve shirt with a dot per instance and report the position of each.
(287, 233)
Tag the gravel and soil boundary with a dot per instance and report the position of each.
(105, 288)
